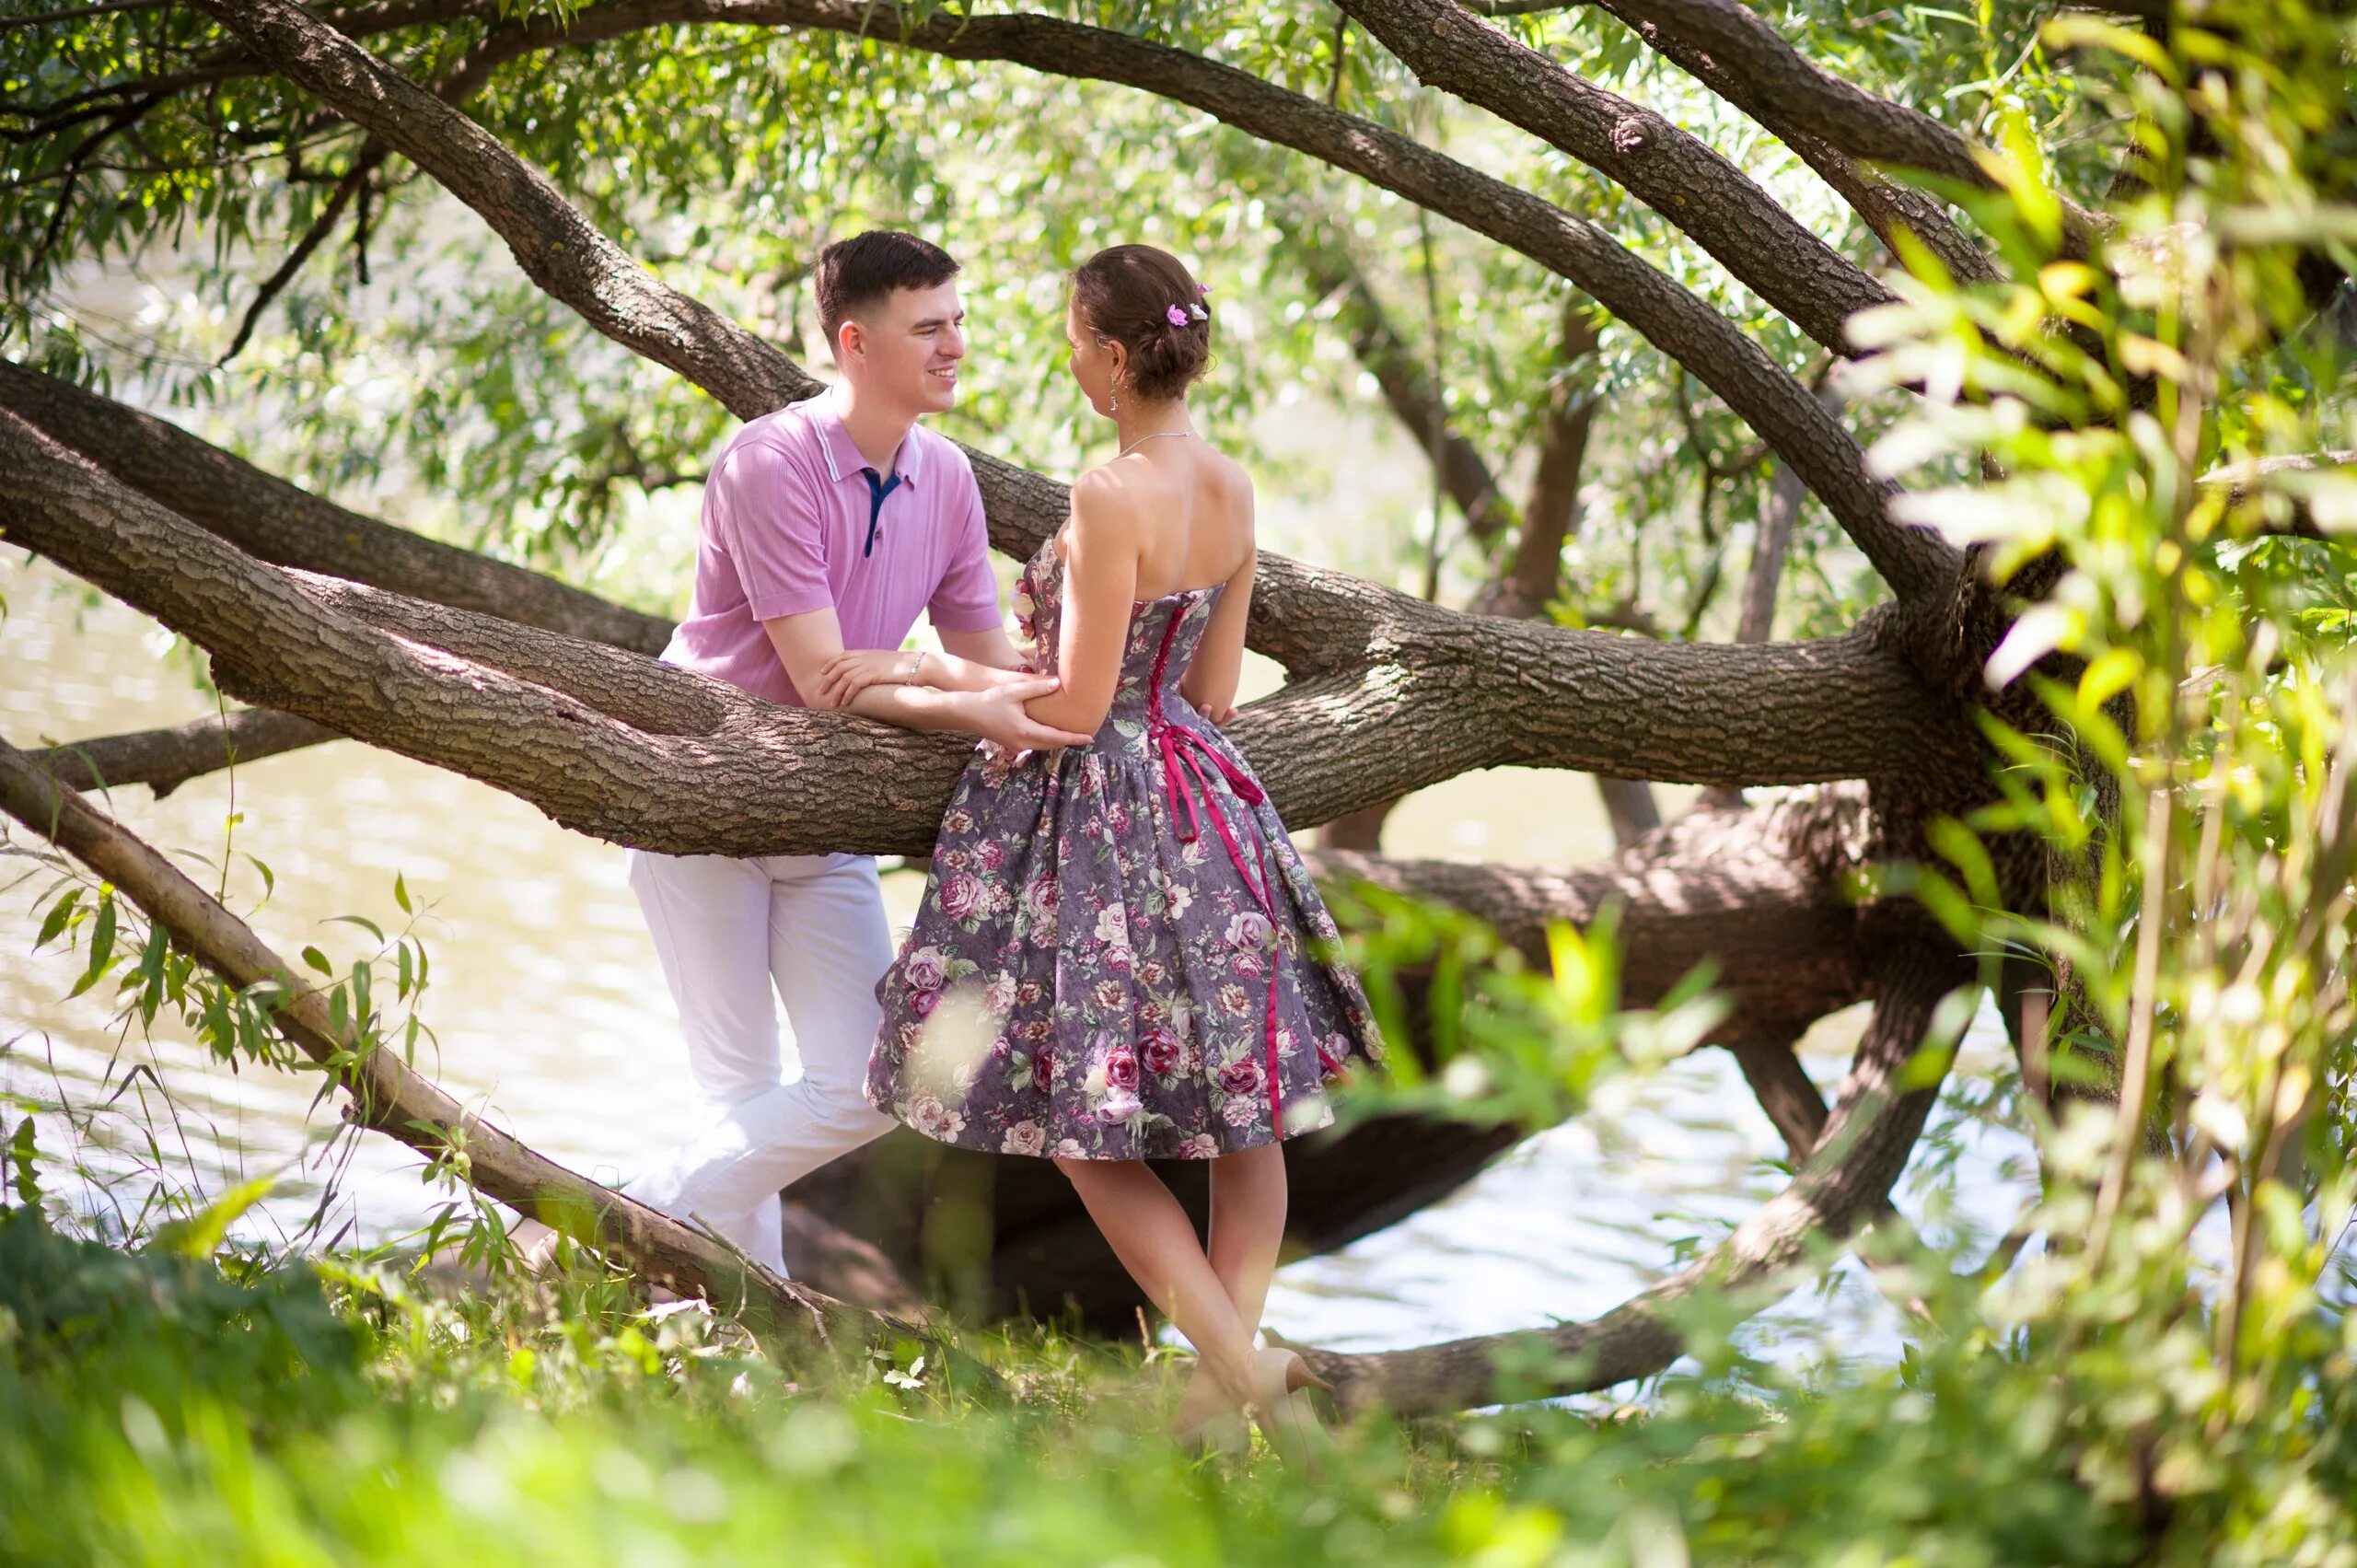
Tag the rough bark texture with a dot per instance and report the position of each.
(1887, 207)
(166, 759)
(1386, 692)
(1680, 177)
(281, 523)
(626, 749)
(1761, 892)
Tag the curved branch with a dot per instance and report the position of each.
(1676, 174)
(567, 256)
(1813, 100)
(1761, 894)
(1865, 1144)
(281, 523)
(364, 163)
(389, 1098)
(1886, 207)
(166, 759)
(638, 752)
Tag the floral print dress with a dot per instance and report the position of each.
(1119, 954)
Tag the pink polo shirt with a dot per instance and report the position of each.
(786, 516)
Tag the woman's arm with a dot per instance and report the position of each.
(1209, 681)
(989, 657)
(1101, 548)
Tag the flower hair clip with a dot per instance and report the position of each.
(1180, 314)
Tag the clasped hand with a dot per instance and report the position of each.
(855, 670)
(996, 715)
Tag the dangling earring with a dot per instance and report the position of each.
(1113, 400)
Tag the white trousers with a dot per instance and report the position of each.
(727, 931)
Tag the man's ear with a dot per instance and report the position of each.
(851, 340)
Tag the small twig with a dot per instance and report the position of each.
(127, 116)
(81, 13)
(354, 181)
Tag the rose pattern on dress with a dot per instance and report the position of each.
(1121, 973)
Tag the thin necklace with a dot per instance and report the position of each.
(1146, 437)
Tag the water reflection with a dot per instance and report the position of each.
(549, 1012)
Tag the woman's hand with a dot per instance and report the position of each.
(1220, 715)
(855, 670)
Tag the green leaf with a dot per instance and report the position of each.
(201, 1235)
(21, 1153)
(60, 913)
(400, 894)
(101, 943)
(319, 962)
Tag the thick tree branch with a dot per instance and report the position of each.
(266, 516)
(1807, 97)
(1761, 895)
(389, 1098)
(638, 752)
(1886, 207)
(563, 252)
(1847, 1181)
(1676, 174)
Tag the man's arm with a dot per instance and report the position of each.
(808, 642)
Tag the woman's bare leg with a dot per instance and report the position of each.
(1156, 1242)
(1248, 1228)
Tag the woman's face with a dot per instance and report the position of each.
(1095, 364)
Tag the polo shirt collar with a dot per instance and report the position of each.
(844, 461)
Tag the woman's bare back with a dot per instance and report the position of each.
(1196, 504)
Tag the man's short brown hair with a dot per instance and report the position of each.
(866, 269)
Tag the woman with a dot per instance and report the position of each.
(1119, 957)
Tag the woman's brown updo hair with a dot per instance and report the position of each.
(1125, 294)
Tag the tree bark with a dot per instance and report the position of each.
(1761, 894)
(166, 759)
(633, 750)
(1679, 176)
(265, 516)
(1887, 207)
(1805, 95)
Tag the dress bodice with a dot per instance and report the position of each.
(1163, 633)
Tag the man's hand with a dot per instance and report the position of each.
(1218, 716)
(848, 674)
(997, 716)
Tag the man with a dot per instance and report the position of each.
(826, 526)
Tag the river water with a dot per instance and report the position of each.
(546, 1008)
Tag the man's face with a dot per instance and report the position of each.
(905, 348)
